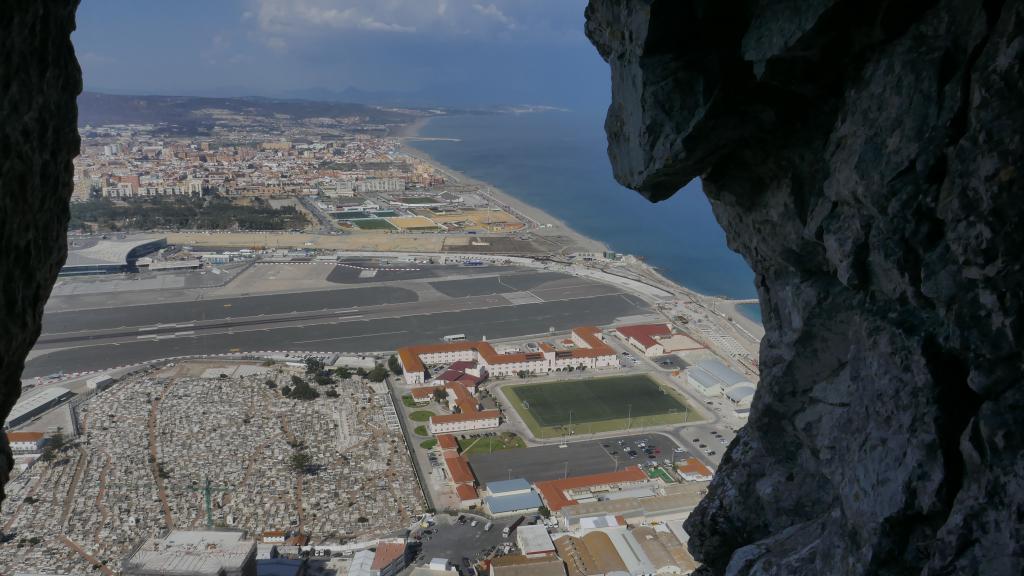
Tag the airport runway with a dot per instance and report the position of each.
(174, 312)
(354, 319)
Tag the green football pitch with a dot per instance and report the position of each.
(597, 405)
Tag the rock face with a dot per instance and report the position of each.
(39, 80)
(866, 159)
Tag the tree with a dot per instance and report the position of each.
(314, 365)
(286, 391)
(323, 378)
(57, 441)
(296, 380)
(543, 511)
(303, 391)
(394, 365)
(378, 374)
(344, 372)
(49, 454)
(331, 393)
(440, 395)
(360, 371)
(301, 461)
(270, 384)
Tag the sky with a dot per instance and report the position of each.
(444, 52)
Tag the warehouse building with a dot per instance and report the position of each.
(37, 404)
(524, 566)
(533, 540)
(712, 378)
(655, 339)
(511, 497)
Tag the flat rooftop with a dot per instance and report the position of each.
(192, 552)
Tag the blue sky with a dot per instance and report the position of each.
(456, 52)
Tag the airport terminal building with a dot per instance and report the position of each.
(108, 255)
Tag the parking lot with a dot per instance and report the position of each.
(450, 539)
(576, 459)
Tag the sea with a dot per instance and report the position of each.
(557, 162)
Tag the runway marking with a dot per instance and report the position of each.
(350, 337)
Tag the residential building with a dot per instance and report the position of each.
(26, 442)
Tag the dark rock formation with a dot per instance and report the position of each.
(39, 79)
(866, 159)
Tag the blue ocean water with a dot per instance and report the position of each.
(557, 162)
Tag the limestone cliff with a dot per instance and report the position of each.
(866, 159)
(39, 79)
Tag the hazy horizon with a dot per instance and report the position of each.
(411, 52)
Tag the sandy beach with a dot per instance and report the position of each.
(411, 133)
(548, 225)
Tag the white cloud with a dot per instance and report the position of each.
(460, 17)
(492, 11)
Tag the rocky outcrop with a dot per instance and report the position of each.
(39, 79)
(866, 159)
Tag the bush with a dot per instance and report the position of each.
(302, 390)
(314, 366)
(394, 365)
(378, 374)
(323, 378)
(301, 461)
(331, 393)
(271, 384)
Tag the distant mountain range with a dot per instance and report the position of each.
(195, 113)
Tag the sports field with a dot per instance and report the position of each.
(597, 405)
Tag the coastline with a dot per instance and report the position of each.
(407, 138)
(554, 226)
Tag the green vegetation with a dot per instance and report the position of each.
(394, 365)
(301, 461)
(314, 366)
(488, 444)
(344, 372)
(596, 405)
(301, 390)
(421, 430)
(378, 374)
(408, 401)
(176, 212)
(440, 395)
(373, 224)
(420, 415)
(428, 444)
(659, 473)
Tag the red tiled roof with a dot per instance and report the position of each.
(694, 466)
(447, 442)
(387, 553)
(553, 491)
(459, 470)
(466, 492)
(24, 436)
(424, 392)
(645, 333)
(410, 355)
